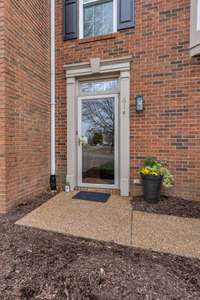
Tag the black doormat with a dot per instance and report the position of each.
(92, 196)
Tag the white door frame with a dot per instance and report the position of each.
(121, 67)
(116, 143)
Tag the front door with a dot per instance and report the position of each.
(98, 141)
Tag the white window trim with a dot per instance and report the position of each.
(81, 21)
(198, 15)
(114, 15)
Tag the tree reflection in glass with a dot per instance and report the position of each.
(98, 154)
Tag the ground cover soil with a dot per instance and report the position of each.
(36, 264)
(173, 206)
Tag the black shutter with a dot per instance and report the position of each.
(125, 14)
(70, 19)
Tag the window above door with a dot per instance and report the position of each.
(91, 18)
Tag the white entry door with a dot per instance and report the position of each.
(97, 141)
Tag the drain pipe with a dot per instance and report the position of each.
(53, 101)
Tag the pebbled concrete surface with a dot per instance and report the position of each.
(115, 221)
(101, 221)
(175, 235)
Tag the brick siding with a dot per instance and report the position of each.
(2, 110)
(26, 89)
(164, 73)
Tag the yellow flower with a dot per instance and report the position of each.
(149, 171)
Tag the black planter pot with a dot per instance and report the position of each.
(151, 188)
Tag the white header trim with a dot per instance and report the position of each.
(105, 66)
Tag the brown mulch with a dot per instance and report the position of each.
(37, 264)
(173, 206)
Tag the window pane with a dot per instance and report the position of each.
(89, 14)
(97, 86)
(98, 19)
(108, 17)
(89, 29)
(88, 1)
(98, 127)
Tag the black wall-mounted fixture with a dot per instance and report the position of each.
(53, 182)
(139, 103)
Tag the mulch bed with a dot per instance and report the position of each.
(169, 206)
(37, 264)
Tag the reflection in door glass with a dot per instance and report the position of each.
(98, 130)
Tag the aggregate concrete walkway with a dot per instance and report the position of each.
(115, 221)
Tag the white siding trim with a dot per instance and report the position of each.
(114, 15)
(198, 15)
(53, 91)
(80, 19)
(195, 27)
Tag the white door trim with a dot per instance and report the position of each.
(79, 147)
(120, 67)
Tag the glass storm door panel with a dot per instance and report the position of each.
(98, 140)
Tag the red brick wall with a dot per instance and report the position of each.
(27, 94)
(164, 73)
(2, 110)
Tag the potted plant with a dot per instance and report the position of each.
(154, 174)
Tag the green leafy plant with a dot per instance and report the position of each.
(157, 168)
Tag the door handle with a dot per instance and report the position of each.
(82, 140)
